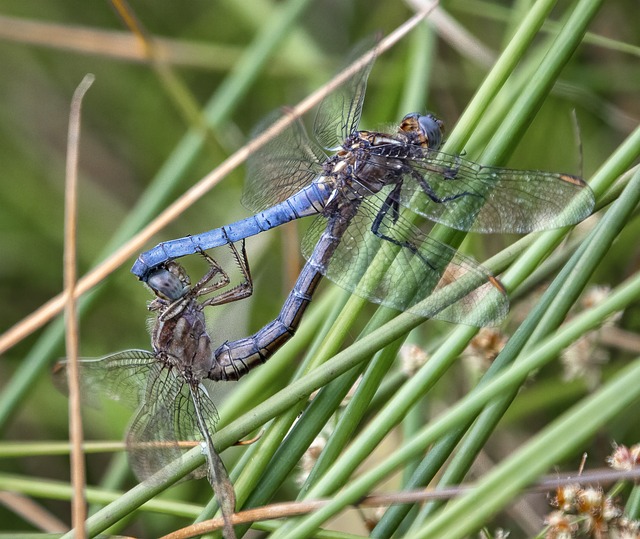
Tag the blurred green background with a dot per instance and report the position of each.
(132, 123)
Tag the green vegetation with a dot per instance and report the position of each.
(151, 128)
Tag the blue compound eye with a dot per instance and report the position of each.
(166, 284)
(432, 129)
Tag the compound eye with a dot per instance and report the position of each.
(432, 129)
(166, 284)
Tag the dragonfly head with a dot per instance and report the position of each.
(169, 281)
(428, 129)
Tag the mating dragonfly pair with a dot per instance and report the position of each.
(357, 193)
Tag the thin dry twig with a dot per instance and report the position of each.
(123, 9)
(177, 90)
(615, 337)
(51, 308)
(279, 510)
(457, 36)
(119, 45)
(79, 510)
(32, 512)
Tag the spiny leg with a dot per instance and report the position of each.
(243, 264)
(204, 286)
(387, 206)
(449, 174)
(240, 291)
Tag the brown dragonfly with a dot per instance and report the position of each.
(165, 385)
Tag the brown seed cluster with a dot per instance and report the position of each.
(588, 512)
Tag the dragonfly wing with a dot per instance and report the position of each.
(164, 419)
(491, 199)
(189, 426)
(207, 416)
(120, 377)
(281, 167)
(339, 113)
(415, 272)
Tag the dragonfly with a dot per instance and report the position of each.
(165, 385)
(357, 182)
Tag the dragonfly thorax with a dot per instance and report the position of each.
(183, 340)
(376, 160)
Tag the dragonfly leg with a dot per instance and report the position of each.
(204, 286)
(392, 203)
(236, 358)
(388, 206)
(449, 174)
(243, 264)
(240, 291)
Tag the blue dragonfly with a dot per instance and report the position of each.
(357, 182)
(165, 385)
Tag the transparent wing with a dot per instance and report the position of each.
(281, 167)
(120, 377)
(151, 437)
(339, 113)
(165, 419)
(416, 273)
(464, 195)
(206, 417)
